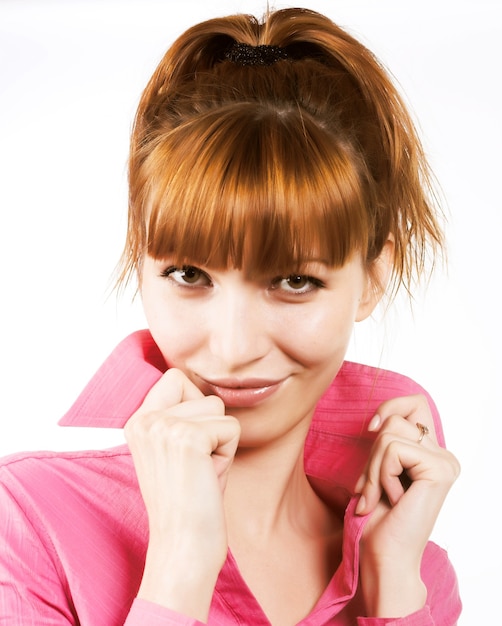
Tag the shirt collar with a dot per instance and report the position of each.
(337, 444)
(120, 385)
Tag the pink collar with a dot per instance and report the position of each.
(119, 386)
(338, 442)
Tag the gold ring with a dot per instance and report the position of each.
(423, 431)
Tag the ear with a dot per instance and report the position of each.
(377, 278)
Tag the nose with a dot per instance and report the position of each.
(238, 333)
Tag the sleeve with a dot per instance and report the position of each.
(443, 596)
(31, 588)
(143, 612)
(419, 618)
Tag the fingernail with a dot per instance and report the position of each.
(361, 505)
(375, 422)
(360, 483)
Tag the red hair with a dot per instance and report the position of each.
(263, 167)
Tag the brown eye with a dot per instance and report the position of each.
(191, 275)
(297, 281)
(187, 276)
(296, 284)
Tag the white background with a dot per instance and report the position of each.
(70, 76)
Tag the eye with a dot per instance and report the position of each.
(187, 276)
(297, 284)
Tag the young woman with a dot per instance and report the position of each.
(277, 192)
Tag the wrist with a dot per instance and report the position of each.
(184, 585)
(392, 594)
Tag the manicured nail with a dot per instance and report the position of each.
(375, 422)
(361, 505)
(360, 483)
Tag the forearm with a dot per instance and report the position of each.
(182, 445)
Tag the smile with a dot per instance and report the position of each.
(240, 394)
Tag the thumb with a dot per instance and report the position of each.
(173, 388)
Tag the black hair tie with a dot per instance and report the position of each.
(244, 54)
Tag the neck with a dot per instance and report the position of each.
(268, 491)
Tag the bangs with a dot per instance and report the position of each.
(255, 190)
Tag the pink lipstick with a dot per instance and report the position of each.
(242, 393)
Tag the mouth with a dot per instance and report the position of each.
(242, 393)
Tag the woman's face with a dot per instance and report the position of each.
(268, 347)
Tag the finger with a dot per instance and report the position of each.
(394, 426)
(173, 388)
(413, 409)
(369, 485)
(156, 426)
(190, 441)
(201, 409)
(397, 463)
(384, 474)
(405, 428)
(168, 448)
(213, 436)
(436, 469)
(379, 477)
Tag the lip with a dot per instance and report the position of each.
(242, 393)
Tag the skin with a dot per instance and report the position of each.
(220, 326)
(215, 476)
(396, 534)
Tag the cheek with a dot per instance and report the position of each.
(172, 327)
(319, 337)
(176, 342)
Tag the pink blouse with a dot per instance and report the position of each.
(73, 528)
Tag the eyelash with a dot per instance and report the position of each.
(312, 283)
(185, 268)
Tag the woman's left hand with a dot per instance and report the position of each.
(404, 485)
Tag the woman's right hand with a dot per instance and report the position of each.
(182, 445)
